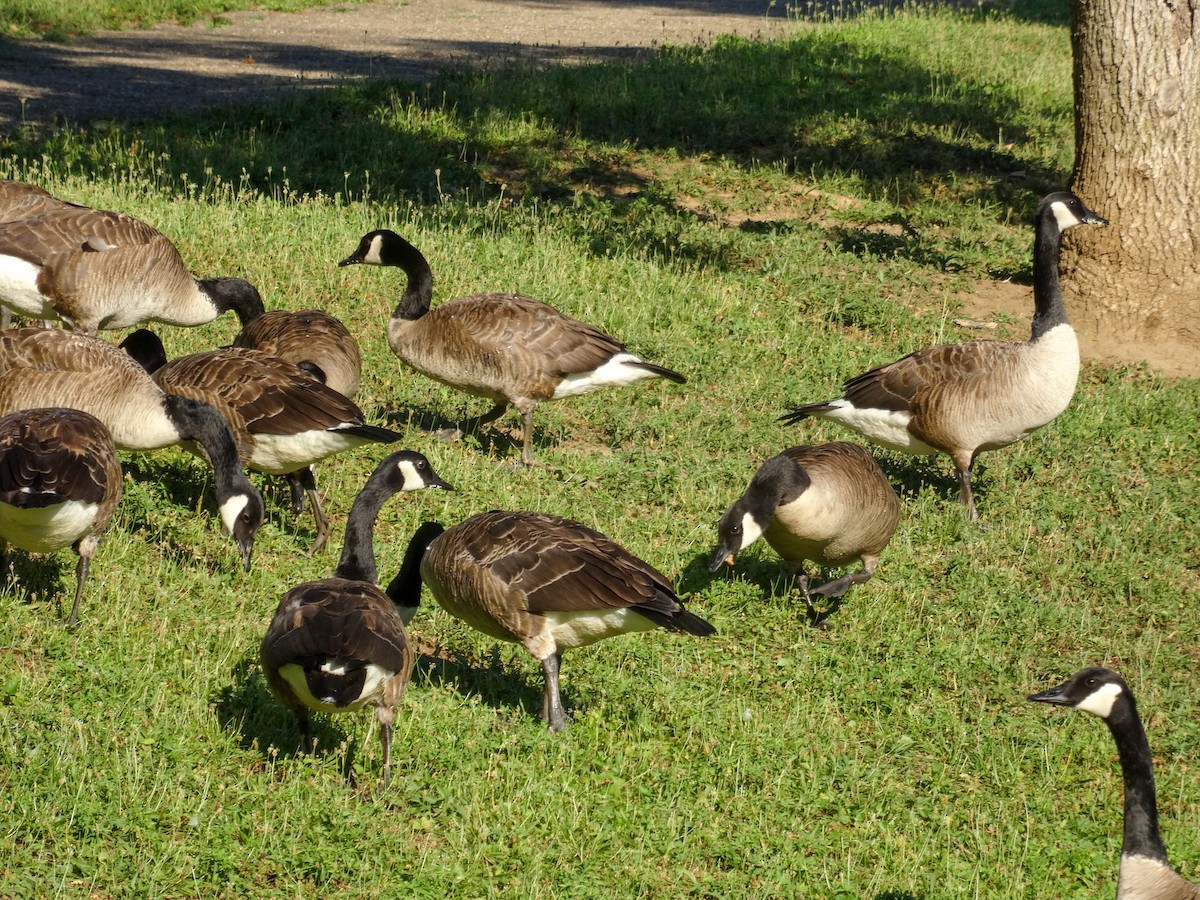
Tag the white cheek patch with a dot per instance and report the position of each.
(231, 509)
(412, 478)
(374, 257)
(1100, 701)
(751, 532)
(1064, 217)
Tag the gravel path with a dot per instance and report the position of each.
(148, 73)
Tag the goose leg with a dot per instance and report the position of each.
(964, 487)
(306, 733)
(470, 425)
(307, 480)
(296, 492)
(81, 574)
(386, 716)
(552, 709)
(527, 438)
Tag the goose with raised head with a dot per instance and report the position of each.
(283, 419)
(962, 399)
(97, 269)
(339, 644)
(829, 504)
(508, 348)
(60, 482)
(51, 367)
(1145, 872)
(542, 581)
(309, 338)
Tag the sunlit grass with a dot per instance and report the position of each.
(768, 219)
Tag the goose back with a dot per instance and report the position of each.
(548, 583)
(98, 269)
(283, 418)
(311, 339)
(60, 482)
(829, 504)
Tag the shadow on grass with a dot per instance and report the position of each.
(490, 682)
(246, 708)
(808, 104)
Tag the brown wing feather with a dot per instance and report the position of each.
(916, 381)
(308, 336)
(69, 228)
(269, 395)
(52, 455)
(504, 324)
(335, 617)
(557, 565)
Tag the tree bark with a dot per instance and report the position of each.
(1137, 162)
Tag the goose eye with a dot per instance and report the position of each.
(737, 529)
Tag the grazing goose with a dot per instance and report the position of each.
(338, 644)
(60, 482)
(51, 367)
(283, 419)
(830, 504)
(961, 399)
(95, 269)
(544, 582)
(311, 339)
(1145, 872)
(18, 200)
(505, 347)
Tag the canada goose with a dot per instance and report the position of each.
(505, 347)
(338, 644)
(60, 482)
(961, 399)
(282, 418)
(95, 269)
(542, 581)
(51, 367)
(1145, 872)
(19, 200)
(311, 339)
(830, 504)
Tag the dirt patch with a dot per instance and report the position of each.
(149, 73)
(1009, 307)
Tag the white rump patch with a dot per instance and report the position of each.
(583, 627)
(881, 425)
(279, 454)
(614, 373)
(372, 690)
(18, 287)
(231, 509)
(1100, 701)
(47, 528)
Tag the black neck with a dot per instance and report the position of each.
(405, 588)
(780, 480)
(418, 294)
(1142, 837)
(236, 294)
(1048, 309)
(358, 550)
(200, 423)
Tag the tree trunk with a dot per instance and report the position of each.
(1137, 162)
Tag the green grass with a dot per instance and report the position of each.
(768, 219)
